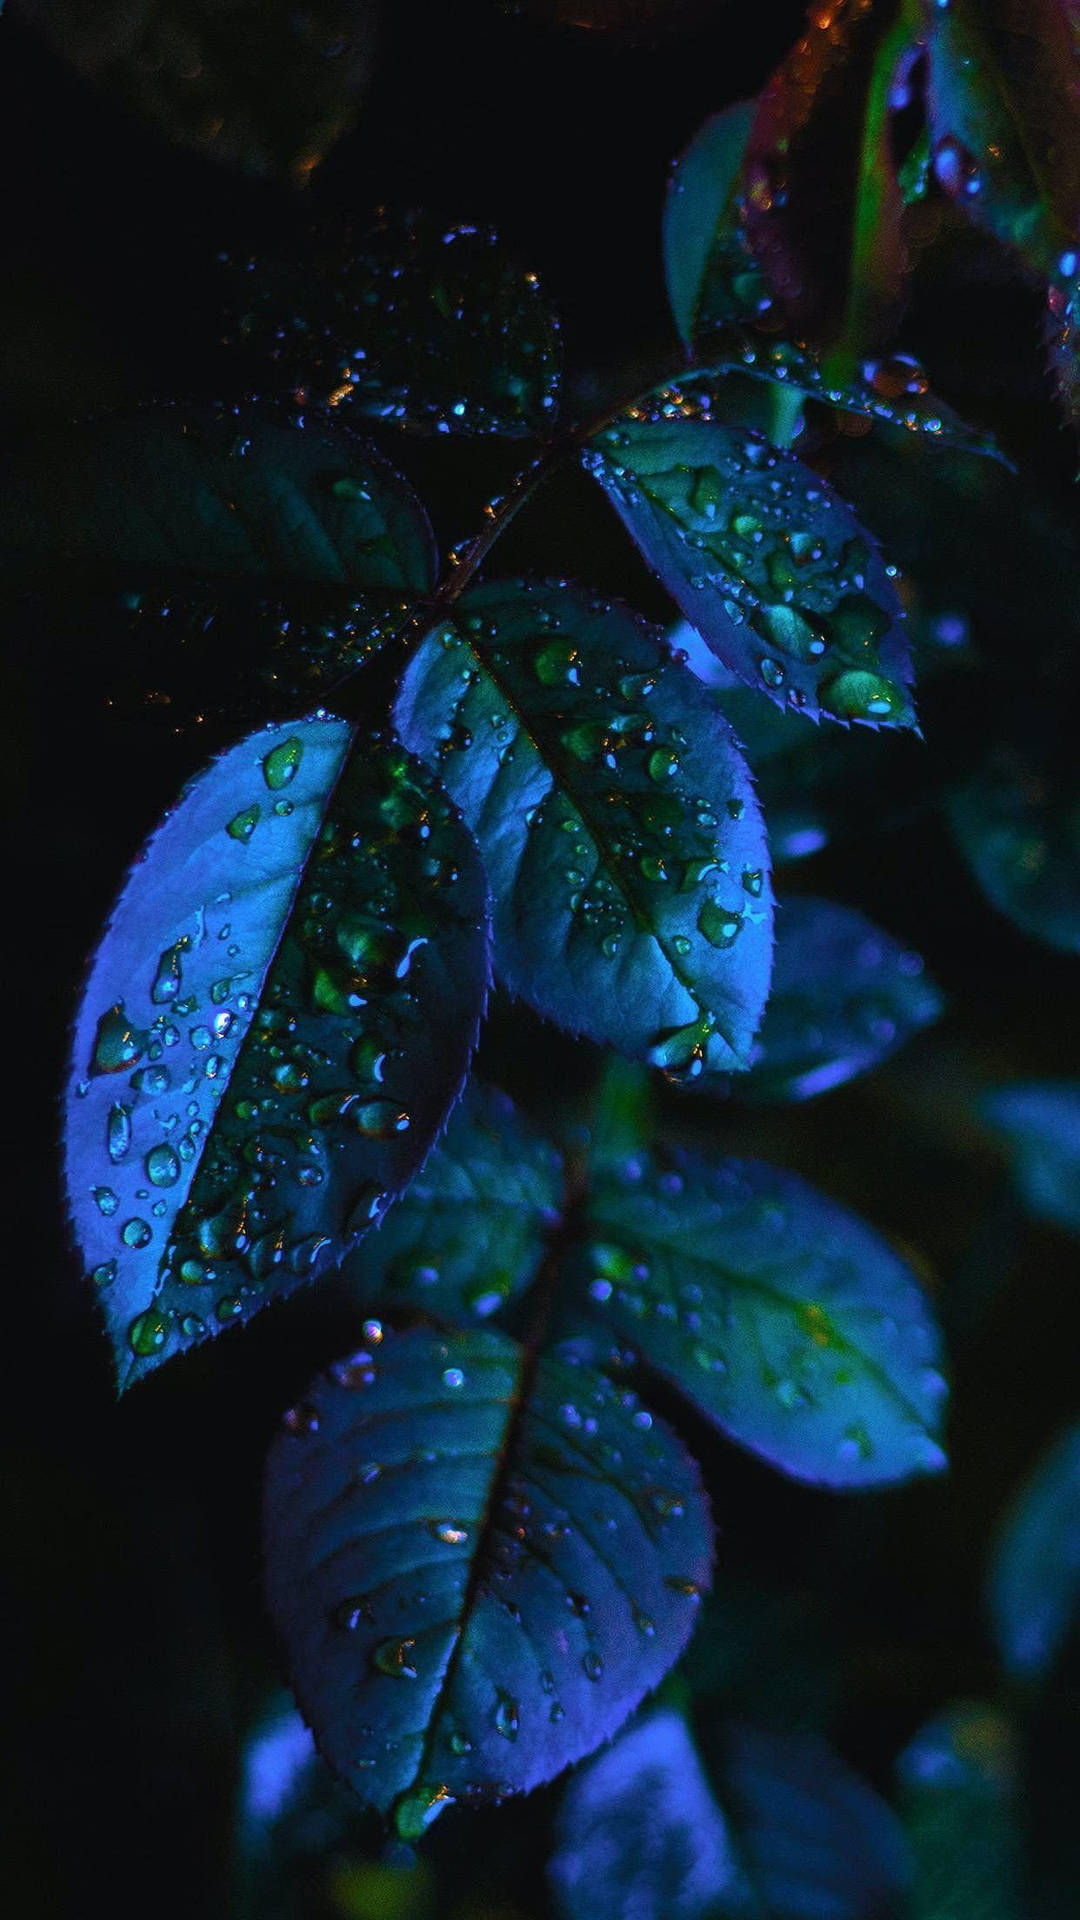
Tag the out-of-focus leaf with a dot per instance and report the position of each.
(821, 200)
(712, 279)
(765, 1653)
(478, 1565)
(226, 496)
(274, 1027)
(416, 325)
(780, 1315)
(1034, 1586)
(1040, 1121)
(259, 84)
(844, 996)
(762, 557)
(640, 1834)
(472, 1229)
(1017, 826)
(962, 1817)
(623, 843)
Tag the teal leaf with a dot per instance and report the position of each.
(472, 1229)
(640, 1833)
(478, 1565)
(273, 1029)
(844, 996)
(960, 1808)
(781, 1316)
(230, 497)
(1016, 823)
(1039, 1121)
(769, 564)
(625, 849)
(417, 325)
(1034, 1586)
(711, 275)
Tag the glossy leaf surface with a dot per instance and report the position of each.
(712, 279)
(472, 1229)
(615, 814)
(229, 495)
(415, 325)
(1017, 825)
(273, 1029)
(769, 565)
(1040, 1122)
(780, 1315)
(478, 1568)
(640, 1833)
(960, 1808)
(844, 996)
(1034, 1589)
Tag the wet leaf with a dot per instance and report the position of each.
(225, 496)
(844, 996)
(640, 1834)
(1034, 1586)
(273, 1029)
(712, 278)
(1017, 826)
(257, 84)
(471, 1231)
(769, 565)
(1040, 1123)
(416, 325)
(478, 1566)
(780, 1315)
(623, 843)
(961, 1811)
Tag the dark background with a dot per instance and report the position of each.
(140, 1647)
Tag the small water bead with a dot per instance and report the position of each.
(243, 824)
(192, 1327)
(151, 1080)
(448, 1532)
(228, 1307)
(353, 1612)
(136, 1233)
(168, 979)
(753, 880)
(162, 1166)
(148, 1333)
(771, 672)
(396, 1659)
(415, 1811)
(678, 1584)
(118, 1132)
(507, 1717)
(556, 665)
(857, 694)
(105, 1274)
(379, 1119)
(117, 1044)
(592, 1665)
(281, 763)
(301, 1419)
(453, 1378)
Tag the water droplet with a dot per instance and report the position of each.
(301, 1419)
(136, 1233)
(507, 1717)
(162, 1166)
(118, 1132)
(395, 1657)
(148, 1333)
(453, 1377)
(106, 1199)
(105, 1274)
(280, 764)
(771, 672)
(680, 1585)
(448, 1532)
(243, 824)
(116, 1043)
(857, 694)
(228, 1307)
(379, 1119)
(353, 1612)
(168, 979)
(720, 927)
(593, 1665)
(415, 1811)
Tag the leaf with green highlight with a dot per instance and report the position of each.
(1034, 1586)
(712, 278)
(781, 1316)
(625, 849)
(844, 996)
(962, 1811)
(1017, 825)
(416, 325)
(770, 566)
(232, 498)
(473, 1227)
(479, 1565)
(1040, 1123)
(277, 1021)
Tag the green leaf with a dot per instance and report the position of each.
(472, 1229)
(844, 996)
(961, 1811)
(1034, 1587)
(625, 850)
(274, 1027)
(781, 1316)
(258, 84)
(416, 325)
(225, 496)
(1040, 1123)
(478, 1565)
(712, 278)
(1017, 826)
(769, 565)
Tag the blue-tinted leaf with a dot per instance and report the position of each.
(844, 996)
(1017, 825)
(625, 849)
(419, 325)
(478, 1567)
(223, 494)
(763, 558)
(472, 1229)
(781, 1316)
(640, 1834)
(815, 1842)
(277, 1020)
(1040, 1120)
(1034, 1591)
(711, 275)
(962, 1817)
